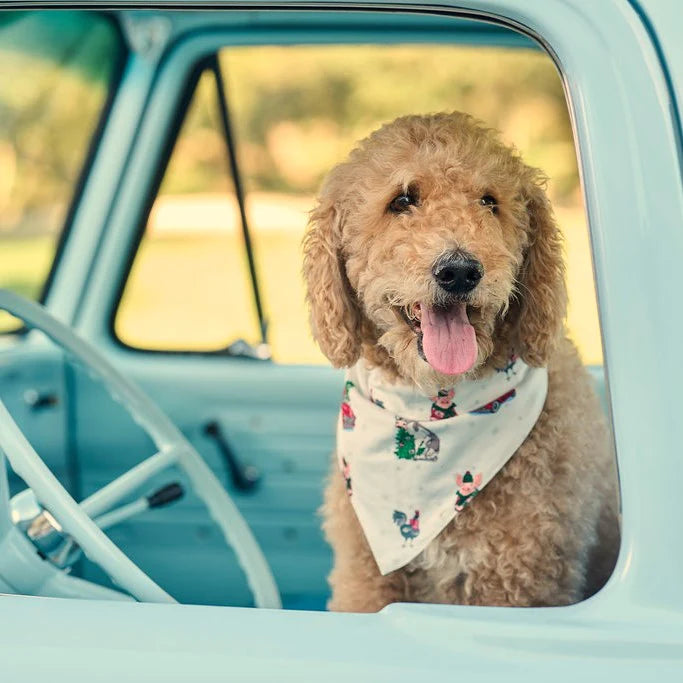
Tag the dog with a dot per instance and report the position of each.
(433, 218)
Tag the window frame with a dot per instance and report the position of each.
(258, 352)
(169, 141)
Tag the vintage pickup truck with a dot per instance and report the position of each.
(169, 593)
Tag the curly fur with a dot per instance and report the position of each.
(544, 531)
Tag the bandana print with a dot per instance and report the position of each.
(416, 461)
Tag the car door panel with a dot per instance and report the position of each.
(280, 419)
(33, 386)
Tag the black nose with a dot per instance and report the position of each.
(457, 273)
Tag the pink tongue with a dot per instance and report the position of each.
(448, 339)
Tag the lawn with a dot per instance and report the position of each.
(194, 292)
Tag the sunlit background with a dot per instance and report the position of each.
(295, 111)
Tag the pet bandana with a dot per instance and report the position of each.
(412, 462)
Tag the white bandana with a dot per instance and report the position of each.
(412, 462)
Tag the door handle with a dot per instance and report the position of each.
(39, 400)
(244, 477)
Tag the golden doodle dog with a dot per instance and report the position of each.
(434, 266)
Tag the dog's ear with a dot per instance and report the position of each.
(541, 285)
(335, 314)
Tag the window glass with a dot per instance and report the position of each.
(296, 111)
(189, 287)
(57, 71)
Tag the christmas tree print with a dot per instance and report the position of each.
(413, 441)
(405, 442)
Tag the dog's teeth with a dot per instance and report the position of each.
(411, 312)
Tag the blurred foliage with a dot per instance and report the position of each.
(199, 161)
(298, 110)
(56, 69)
(53, 84)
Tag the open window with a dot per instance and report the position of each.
(294, 112)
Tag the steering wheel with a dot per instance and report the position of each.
(76, 520)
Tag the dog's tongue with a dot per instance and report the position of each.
(448, 340)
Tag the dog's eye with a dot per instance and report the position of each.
(489, 201)
(402, 202)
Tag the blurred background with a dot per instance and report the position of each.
(295, 111)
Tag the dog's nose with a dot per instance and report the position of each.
(457, 273)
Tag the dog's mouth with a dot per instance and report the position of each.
(445, 338)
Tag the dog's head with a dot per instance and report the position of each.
(433, 252)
